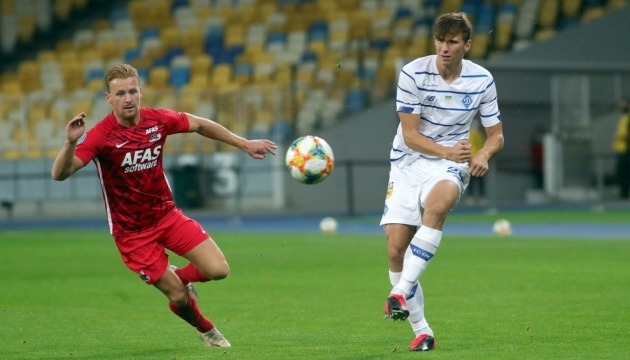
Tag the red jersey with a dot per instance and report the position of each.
(129, 165)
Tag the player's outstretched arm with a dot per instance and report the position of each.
(479, 164)
(66, 163)
(257, 149)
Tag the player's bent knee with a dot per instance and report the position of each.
(396, 254)
(222, 272)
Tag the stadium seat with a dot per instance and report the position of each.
(179, 76)
(243, 73)
(159, 77)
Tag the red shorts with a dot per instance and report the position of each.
(144, 252)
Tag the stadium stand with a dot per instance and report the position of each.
(333, 58)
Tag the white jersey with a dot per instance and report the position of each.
(446, 110)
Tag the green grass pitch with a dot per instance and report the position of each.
(67, 295)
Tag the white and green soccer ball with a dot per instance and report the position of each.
(310, 159)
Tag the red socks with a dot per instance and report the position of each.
(191, 314)
(190, 273)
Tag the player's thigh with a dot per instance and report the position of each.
(442, 192)
(209, 259)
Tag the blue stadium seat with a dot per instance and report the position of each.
(280, 130)
(379, 44)
(356, 101)
(94, 74)
(243, 69)
(179, 77)
(131, 55)
(178, 3)
(143, 73)
(318, 31)
(402, 12)
(471, 8)
(234, 51)
(214, 38)
(276, 37)
(308, 56)
(222, 58)
(148, 33)
(118, 14)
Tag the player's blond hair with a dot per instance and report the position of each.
(121, 71)
(452, 24)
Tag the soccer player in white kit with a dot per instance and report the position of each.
(431, 163)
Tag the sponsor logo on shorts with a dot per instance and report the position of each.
(385, 210)
(144, 277)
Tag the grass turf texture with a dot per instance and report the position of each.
(531, 217)
(67, 295)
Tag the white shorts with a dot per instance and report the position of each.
(410, 185)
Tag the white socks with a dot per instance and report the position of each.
(422, 248)
(415, 305)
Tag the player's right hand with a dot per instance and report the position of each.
(76, 128)
(460, 153)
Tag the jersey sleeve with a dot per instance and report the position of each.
(88, 146)
(489, 107)
(407, 100)
(176, 122)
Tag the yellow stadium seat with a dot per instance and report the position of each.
(110, 49)
(100, 25)
(192, 42)
(222, 75)
(592, 13)
(63, 8)
(158, 77)
(235, 35)
(480, 45)
(29, 76)
(26, 27)
(548, 13)
(200, 65)
(171, 37)
(7, 7)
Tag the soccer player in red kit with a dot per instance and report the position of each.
(126, 147)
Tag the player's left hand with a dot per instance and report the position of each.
(258, 149)
(478, 165)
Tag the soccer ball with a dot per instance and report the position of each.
(502, 228)
(328, 225)
(310, 159)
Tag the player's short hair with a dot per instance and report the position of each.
(452, 24)
(121, 71)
